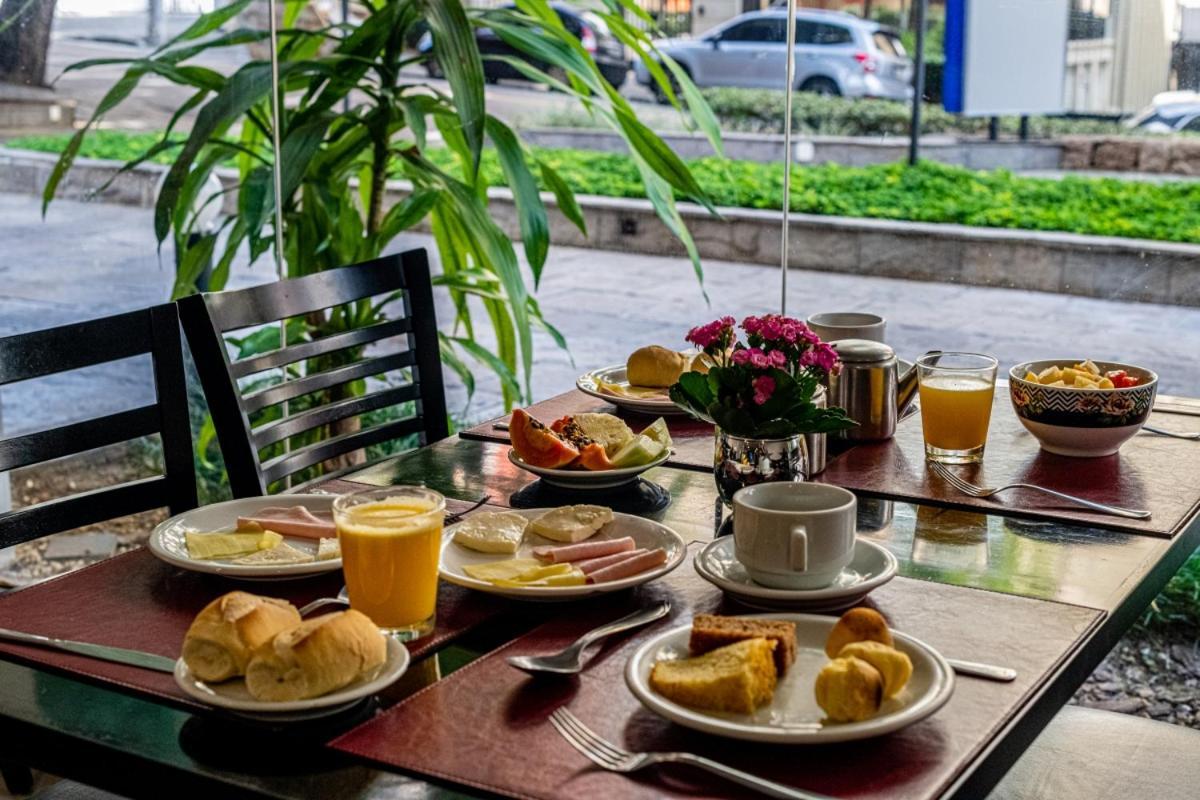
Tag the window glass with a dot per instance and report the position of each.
(756, 30)
(888, 43)
(831, 34)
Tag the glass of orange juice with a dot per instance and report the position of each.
(391, 540)
(956, 405)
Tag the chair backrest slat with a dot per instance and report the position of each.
(314, 404)
(34, 448)
(329, 344)
(151, 331)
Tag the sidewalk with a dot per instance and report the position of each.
(87, 260)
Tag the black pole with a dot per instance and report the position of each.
(914, 134)
(1023, 130)
(993, 128)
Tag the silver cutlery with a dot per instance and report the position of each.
(120, 655)
(570, 660)
(457, 517)
(1192, 437)
(609, 756)
(968, 488)
(987, 671)
(500, 426)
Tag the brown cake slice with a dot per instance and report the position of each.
(710, 631)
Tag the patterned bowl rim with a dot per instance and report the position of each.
(1015, 375)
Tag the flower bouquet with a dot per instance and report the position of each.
(762, 387)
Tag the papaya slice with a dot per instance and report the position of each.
(537, 445)
(592, 456)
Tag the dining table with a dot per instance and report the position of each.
(1046, 592)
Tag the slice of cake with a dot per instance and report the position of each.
(710, 631)
(739, 677)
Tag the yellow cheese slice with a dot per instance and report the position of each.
(632, 392)
(500, 570)
(228, 545)
(570, 576)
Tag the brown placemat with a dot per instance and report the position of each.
(136, 601)
(1150, 472)
(485, 725)
(692, 440)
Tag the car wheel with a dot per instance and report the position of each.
(823, 86)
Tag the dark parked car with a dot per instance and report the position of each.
(591, 30)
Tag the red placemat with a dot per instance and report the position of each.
(485, 726)
(138, 602)
(692, 439)
(1151, 472)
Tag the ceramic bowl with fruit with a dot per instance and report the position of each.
(586, 451)
(1082, 408)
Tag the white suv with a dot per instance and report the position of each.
(836, 53)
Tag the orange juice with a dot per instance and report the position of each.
(955, 411)
(390, 546)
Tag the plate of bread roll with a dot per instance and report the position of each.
(641, 383)
(790, 678)
(255, 538)
(255, 656)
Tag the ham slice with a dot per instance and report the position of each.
(631, 565)
(590, 565)
(291, 521)
(583, 550)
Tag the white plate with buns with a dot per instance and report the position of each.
(657, 403)
(168, 541)
(646, 534)
(793, 716)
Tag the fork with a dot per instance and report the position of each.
(615, 759)
(968, 488)
(1173, 434)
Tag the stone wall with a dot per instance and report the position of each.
(1177, 155)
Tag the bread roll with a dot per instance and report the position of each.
(849, 690)
(857, 625)
(654, 366)
(316, 657)
(221, 639)
(893, 666)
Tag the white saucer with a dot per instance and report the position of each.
(871, 567)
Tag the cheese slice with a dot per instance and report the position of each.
(501, 570)
(569, 575)
(632, 392)
(491, 531)
(571, 523)
(207, 546)
(277, 556)
(328, 549)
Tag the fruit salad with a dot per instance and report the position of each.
(1084, 375)
(586, 441)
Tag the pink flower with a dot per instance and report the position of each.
(777, 358)
(764, 387)
(751, 324)
(821, 356)
(716, 332)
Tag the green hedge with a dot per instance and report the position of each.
(928, 192)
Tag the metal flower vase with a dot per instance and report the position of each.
(744, 461)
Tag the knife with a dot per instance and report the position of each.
(120, 655)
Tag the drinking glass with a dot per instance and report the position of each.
(956, 405)
(391, 541)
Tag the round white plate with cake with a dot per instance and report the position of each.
(220, 538)
(553, 554)
(784, 709)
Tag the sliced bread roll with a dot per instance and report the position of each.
(316, 657)
(224, 635)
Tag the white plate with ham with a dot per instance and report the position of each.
(302, 519)
(626, 552)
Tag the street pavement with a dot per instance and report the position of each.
(88, 260)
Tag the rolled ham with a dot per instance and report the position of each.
(291, 521)
(583, 550)
(590, 565)
(632, 565)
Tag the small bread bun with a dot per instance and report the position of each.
(849, 690)
(654, 366)
(224, 635)
(316, 657)
(893, 666)
(857, 625)
(701, 362)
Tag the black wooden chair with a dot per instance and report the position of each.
(28, 356)
(331, 361)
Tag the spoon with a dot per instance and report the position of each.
(985, 671)
(1164, 432)
(569, 661)
(343, 599)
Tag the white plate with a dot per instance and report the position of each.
(871, 567)
(646, 533)
(588, 478)
(168, 542)
(589, 383)
(232, 695)
(793, 716)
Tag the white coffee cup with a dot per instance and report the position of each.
(794, 535)
(835, 325)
